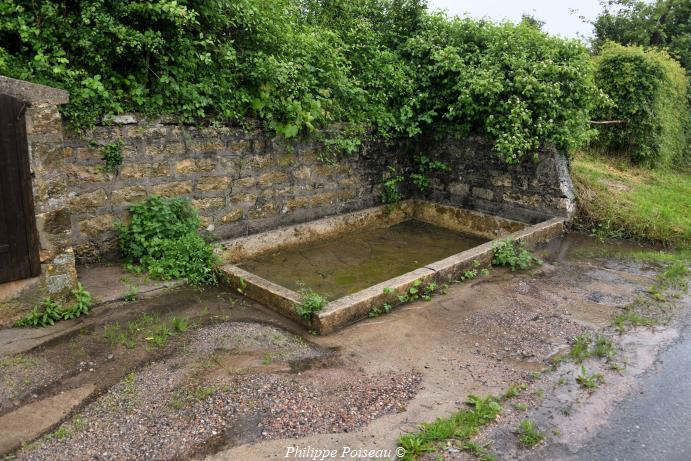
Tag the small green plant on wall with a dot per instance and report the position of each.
(420, 178)
(112, 156)
(311, 302)
(513, 254)
(426, 166)
(392, 186)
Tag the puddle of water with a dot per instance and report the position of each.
(343, 265)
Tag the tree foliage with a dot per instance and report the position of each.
(660, 23)
(648, 90)
(386, 67)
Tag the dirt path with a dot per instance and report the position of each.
(242, 383)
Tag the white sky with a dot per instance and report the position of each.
(557, 14)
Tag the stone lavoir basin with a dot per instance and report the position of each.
(364, 259)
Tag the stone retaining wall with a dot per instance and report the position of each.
(241, 181)
(536, 189)
(246, 181)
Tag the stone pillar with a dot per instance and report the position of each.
(47, 159)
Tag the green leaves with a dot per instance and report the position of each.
(49, 311)
(310, 303)
(648, 91)
(513, 254)
(388, 67)
(162, 239)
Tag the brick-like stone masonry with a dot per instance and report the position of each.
(246, 181)
(535, 190)
(240, 181)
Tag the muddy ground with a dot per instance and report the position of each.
(194, 374)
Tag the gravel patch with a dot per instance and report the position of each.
(521, 330)
(188, 404)
(21, 375)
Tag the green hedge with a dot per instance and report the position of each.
(386, 67)
(648, 90)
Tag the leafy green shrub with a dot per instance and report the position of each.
(513, 254)
(391, 193)
(162, 239)
(386, 67)
(310, 303)
(49, 311)
(512, 83)
(648, 91)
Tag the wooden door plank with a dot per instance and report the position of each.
(18, 228)
(26, 190)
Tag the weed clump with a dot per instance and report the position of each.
(311, 302)
(49, 311)
(162, 239)
(589, 381)
(528, 433)
(462, 425)
(513, 254)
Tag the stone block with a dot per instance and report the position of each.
(96, 227)
(54, 222)
(44, 119)
(78, 174)
(243, 198)
(244, 183)
(297, 202)
(232, 216)
(48, 188)
(153, 132)
(201, 146)
(274, 177)
(321, 199)
(173, 149)
(90, 153)
(302, 174)
(263, 211)
(482, 193)
(209, 202)
(48, 155)
(502, 181)
(144, 170)
(528, 201)
(213, 183)
(195, 166)
(238, 147)
(88, 201)
(172, 189)
(259, 161)
(131, 194)
(459, 189)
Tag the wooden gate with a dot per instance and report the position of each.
(18, 236)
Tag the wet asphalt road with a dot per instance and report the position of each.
(654, 422)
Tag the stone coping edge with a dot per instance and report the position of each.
(348, 309)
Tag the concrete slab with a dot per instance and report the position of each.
(32, 420)
(111, 282)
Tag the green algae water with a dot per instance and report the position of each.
(348, 263)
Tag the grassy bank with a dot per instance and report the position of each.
(617, 199)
